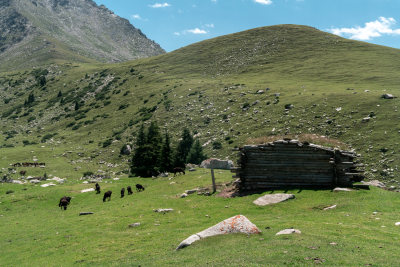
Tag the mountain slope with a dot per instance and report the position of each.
(279, 80)
(44, 31)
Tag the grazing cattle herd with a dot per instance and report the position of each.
(64, 201)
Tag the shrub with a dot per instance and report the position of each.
(216, 145)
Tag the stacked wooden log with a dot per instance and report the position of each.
(290, 163)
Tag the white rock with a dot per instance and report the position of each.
(330, 207)
(235, 224)
(47, 185)
(87, 190)
(397, 224)
(17, 182)
(134, 224)
(35, 181)
(183, 195)
(288, 232)
(340, 189)
(272, 199)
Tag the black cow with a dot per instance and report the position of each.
(64, 202)
(129, 189)
(139, 187)
(107, 195)
(178, 170)
(122, 192)
(97, 187)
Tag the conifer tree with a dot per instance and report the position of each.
(166, 155)
(183, 148)
(154, 141)
(147, 155)
(137, 166)
(196, 155)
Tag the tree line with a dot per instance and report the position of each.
(153, 153)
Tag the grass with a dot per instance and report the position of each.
(35, 231)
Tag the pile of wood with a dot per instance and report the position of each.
(290, 163)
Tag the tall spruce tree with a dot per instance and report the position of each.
(137, 166)
(154, 141)
(147, 156)
(166, 155)
(196, 155)
(183, 148)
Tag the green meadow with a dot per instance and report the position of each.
(34, 231)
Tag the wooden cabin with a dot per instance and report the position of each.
(290, 163)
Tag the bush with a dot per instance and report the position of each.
(107, 143)
(216, 145)
(87, 174)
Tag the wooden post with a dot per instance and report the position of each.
(213, 181)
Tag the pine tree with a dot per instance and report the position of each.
(166, 155)
(183, 149)
(196, 155)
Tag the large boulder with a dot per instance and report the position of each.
(217, 164)
(235, 224)
(272, 199)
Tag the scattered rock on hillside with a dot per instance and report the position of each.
(340, 189)
(288, 232)
(272, 199)
(217, 164)
(259, 92)
(235, 224)
(35, 181)
(330, 207)
(374, 183)
(134, 225)
(47, 185)
(388, 96)
(191, 191)
(163, 210)
(87, 190)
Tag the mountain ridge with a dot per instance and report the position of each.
(87, 32)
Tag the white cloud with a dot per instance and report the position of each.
(211, 25)
(136, 16)
(197, 31)
(191, 31)
(159, 5)
(371, 29)
(263, 2)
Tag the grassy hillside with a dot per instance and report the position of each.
(34, 231)
(213, 88)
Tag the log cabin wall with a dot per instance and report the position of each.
(290, 163)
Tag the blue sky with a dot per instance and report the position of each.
(177, 23)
